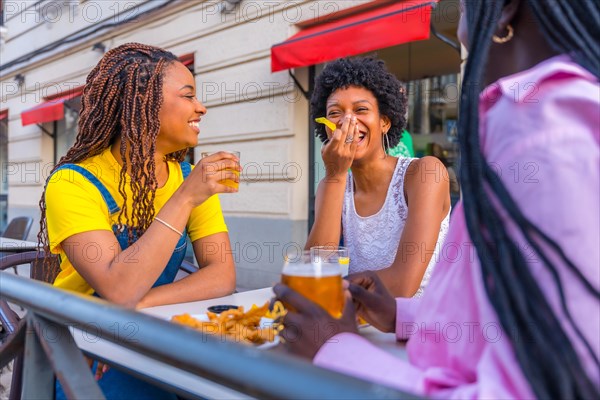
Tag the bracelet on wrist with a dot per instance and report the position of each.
(171, 227)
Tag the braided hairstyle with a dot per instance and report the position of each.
(543, 349)
(368, 73)
(122, 98)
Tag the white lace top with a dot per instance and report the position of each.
(373, 241)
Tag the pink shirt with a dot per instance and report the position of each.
(540, 130)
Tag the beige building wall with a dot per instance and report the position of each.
(261, 114)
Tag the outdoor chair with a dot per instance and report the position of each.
(18, 228)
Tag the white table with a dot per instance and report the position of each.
(185, 380)
(9, 245)
(386, 341)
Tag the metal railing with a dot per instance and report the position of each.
(244, 369)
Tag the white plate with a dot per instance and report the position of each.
(264, 323)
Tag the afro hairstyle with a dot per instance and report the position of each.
(368, 73)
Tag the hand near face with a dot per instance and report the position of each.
(338, 152)
(207, 177)
(372, 300)
(310, 326)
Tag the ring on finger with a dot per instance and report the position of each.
(349, 139)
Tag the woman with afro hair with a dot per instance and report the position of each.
(391, 212)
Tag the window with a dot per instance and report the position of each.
(432, 102)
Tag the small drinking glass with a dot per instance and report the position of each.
(336, 255)
(320, 282)
(226, 182)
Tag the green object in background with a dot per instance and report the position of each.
(404, 148)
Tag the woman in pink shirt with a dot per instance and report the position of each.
(513, 307)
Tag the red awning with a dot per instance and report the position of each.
(187, 59)
(50, 110)
(3, 114)
(394, 24)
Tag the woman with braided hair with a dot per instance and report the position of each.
(119, 205)
(512, 309)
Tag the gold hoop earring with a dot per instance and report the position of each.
(507, 38)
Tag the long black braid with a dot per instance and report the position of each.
(543, 349)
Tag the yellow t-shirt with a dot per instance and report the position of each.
(75, 205)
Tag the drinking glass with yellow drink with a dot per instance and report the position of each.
(320, 282)
(226, 182)
(332, 255)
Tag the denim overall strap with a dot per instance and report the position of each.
(170, 272)
(186, 168)
(108, 198)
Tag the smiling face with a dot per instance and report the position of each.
(180, 111)
(362, 103)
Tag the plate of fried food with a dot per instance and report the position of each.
(257, 327)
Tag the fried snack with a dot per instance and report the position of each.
(277, 312)
(236, 325)
(326, 122)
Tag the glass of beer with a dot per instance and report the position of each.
(335, 255)
(226, 182)
(332, 255)
(320, 282)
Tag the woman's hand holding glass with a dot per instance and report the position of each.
(227, 182)
(211, 175)
(309, 325)
(339, 149)
(314, 313)
(372, 300)
(312, 292)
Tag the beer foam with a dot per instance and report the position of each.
(311, 270)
